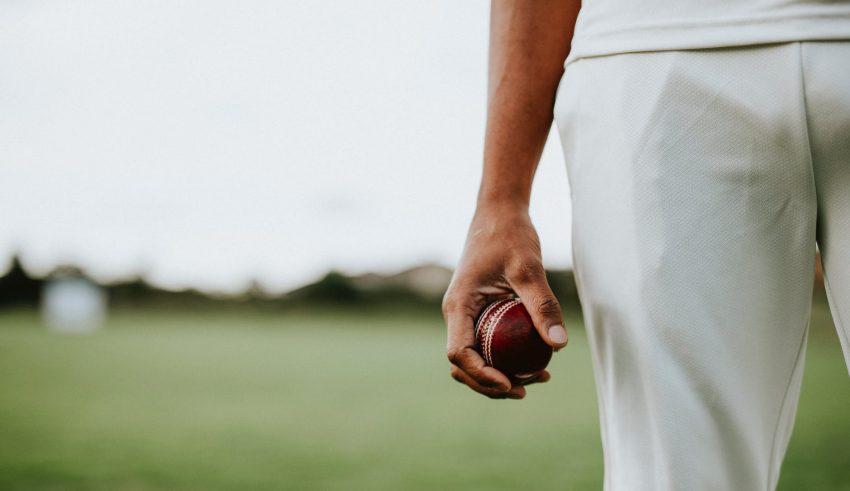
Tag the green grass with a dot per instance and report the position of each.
(296, 401)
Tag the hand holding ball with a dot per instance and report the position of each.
(508, 341)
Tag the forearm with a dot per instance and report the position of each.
(529, 41)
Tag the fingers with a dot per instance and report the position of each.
(515, 392)
(528, 280)
(460, 318)
(468, 361)
(540, 377)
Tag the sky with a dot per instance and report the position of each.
(208, 143)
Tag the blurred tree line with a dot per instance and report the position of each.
(18, 288)
(419, 287)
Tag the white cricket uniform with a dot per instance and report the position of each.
(701, 181)
(607, 27)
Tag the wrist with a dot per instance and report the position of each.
(506, 183)
(509, 197)
(501, 209)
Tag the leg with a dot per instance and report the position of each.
(694, 216)
(828, 97)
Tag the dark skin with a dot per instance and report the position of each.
(529, 41)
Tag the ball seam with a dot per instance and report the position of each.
(491, 328)
(483, 326)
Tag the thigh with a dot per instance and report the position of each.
(827, 74)
(693, 232)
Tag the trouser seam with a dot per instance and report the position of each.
(804, 104)
(805, 124)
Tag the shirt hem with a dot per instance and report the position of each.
(691, 37)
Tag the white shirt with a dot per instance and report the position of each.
(606, 27)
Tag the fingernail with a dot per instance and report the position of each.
(557, 334)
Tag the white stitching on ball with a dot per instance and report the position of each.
(483, 316)
(491, 328)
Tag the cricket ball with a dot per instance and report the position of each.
(508, 341)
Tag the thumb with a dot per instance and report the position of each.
(545, 311)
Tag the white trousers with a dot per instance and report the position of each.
(701, 182)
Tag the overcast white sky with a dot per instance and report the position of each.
(209, 142)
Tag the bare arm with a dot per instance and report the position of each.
(529, 41)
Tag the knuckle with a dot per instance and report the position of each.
(546, 304)
(449, 302)
(455, 301)
(456, 374)
(527, 271)
(456, 355)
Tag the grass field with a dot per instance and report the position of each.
(326, 401)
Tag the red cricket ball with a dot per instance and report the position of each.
(507, 340)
